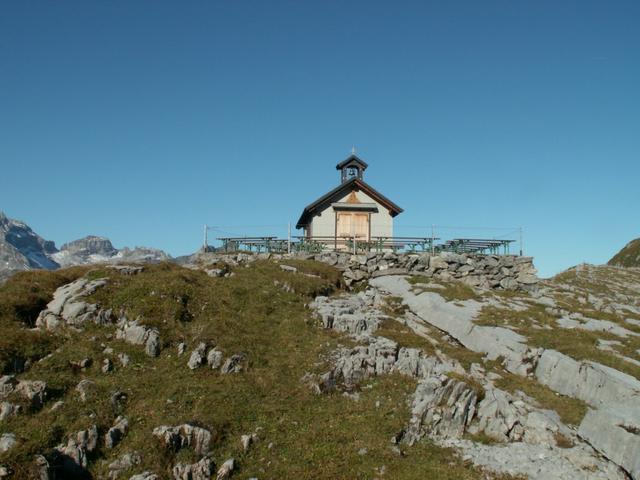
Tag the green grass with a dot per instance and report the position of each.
(629, 256)
(451, 291)
(312, 436)
(22, 298)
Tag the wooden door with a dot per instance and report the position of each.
(351, 224)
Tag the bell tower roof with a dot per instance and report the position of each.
(351, 167)
(352, 160)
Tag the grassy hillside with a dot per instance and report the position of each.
(629, 256)
(259, 311)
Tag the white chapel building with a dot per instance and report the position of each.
(353, 209)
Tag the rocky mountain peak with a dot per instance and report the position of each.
(90, 245)
(21, 248)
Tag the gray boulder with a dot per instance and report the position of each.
(116, 433)
(234, 364)
(145, 476)
(214, 358)
(7, 442)
(225, 470)
(69, 308)
(7, 410)
(75, 451)
(35, 391)
(124, 359)
(83, 388)
(123, 463)
(184, 436)
(441, 407)
(134, 333)
(107, 365)
(198, 356)
(152, 344)
(201, 470)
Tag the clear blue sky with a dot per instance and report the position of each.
(143, 120)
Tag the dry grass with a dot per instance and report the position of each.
(394, 307)
(403, 335)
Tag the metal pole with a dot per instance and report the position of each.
(205, 238)
(289, 240)
(433, 227)
(521, 247)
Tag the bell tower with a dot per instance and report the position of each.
(351, 168)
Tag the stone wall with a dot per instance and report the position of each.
(498, 272)
(503, 272)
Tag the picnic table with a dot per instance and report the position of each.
(232, 244)
(475, 245)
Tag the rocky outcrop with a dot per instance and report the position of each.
(441, 407)
(131, 331)
(73, 456)
(349, 313)
(537, 462)
(456, 319)
(375, 355)
(596, 384)
(184, 436)
(69, 308)
(615, 433)
(613, 427)
(201, 470)
(445, 406)
(600, 386)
